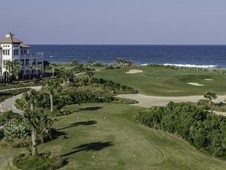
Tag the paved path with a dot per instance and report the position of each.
(8, 104)
(149, 101)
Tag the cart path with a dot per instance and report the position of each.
(8, 104)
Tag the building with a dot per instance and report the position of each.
(12, 49)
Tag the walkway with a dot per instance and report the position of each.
(8, 104)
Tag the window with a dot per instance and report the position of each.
(4, 63)
(16, 52)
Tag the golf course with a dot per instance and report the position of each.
(107, 136)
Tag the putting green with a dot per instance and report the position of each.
(167, 82)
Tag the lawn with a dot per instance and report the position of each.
(167, 82)
(107, 136)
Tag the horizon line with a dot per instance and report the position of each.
(134, 44)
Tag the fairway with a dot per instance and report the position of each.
(167, 82)
(107, 136)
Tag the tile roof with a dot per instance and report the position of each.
(11, 40)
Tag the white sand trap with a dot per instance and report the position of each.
(208, 79)
(195, 84)
(134, 71)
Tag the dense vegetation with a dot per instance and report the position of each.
(201, 128)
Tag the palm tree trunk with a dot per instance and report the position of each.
(53, 70)
(51, 101)
(34, 141)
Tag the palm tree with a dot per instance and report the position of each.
(209, 95)
(53, 65)
(40, 69)
(52, 87)
(90, 73)
(8, 67)
(30, 68)
(31, 118)
(66, 75)
(38, 122)
(16, 68)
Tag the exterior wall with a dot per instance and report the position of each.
(6, 56)
(0, 61)
(21, 54)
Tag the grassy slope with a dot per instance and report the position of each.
(167, 82)
(110, 133)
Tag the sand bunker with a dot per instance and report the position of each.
(208, 79)
(195, 84)
(134, 71)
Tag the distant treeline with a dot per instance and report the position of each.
(201, 128)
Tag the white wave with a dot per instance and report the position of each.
(145, 64)
(192, 65)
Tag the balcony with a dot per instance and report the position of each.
(32, 55)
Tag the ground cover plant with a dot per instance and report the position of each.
(201, 128)
(164, 81)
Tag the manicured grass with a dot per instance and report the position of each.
(107, 136)
(167, 82)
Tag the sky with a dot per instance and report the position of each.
(156, 22)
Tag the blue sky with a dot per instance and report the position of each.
(115, 21)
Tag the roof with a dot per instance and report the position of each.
(24, 45)
(11, 40)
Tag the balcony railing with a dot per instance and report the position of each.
(32, 55)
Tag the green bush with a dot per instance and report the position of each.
(16, 142)
(15, 129)
(201, 128)
(42, 162)
(6, 116)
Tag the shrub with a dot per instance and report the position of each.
(42, 162)
(15, 129)
(6, 116)
(201, 128)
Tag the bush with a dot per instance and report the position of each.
(6, 116)
(201, 128)
(16, 142)
(15, 129)
(42, 162)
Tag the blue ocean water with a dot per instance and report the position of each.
(202, 55)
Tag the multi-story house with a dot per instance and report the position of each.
(13, 49)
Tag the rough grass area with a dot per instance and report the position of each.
(107, 136)
(44, 161)
(166, 81)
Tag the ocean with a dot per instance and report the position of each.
(205, 56)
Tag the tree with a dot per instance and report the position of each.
(90, 73)
(30, 68)
(38, 122)
(8, 67)
(16, 67)
(75, 62)
(40, 70)
(66, 74)
(35, 118)
(53, 65)
(209, 95)
(52, 87)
